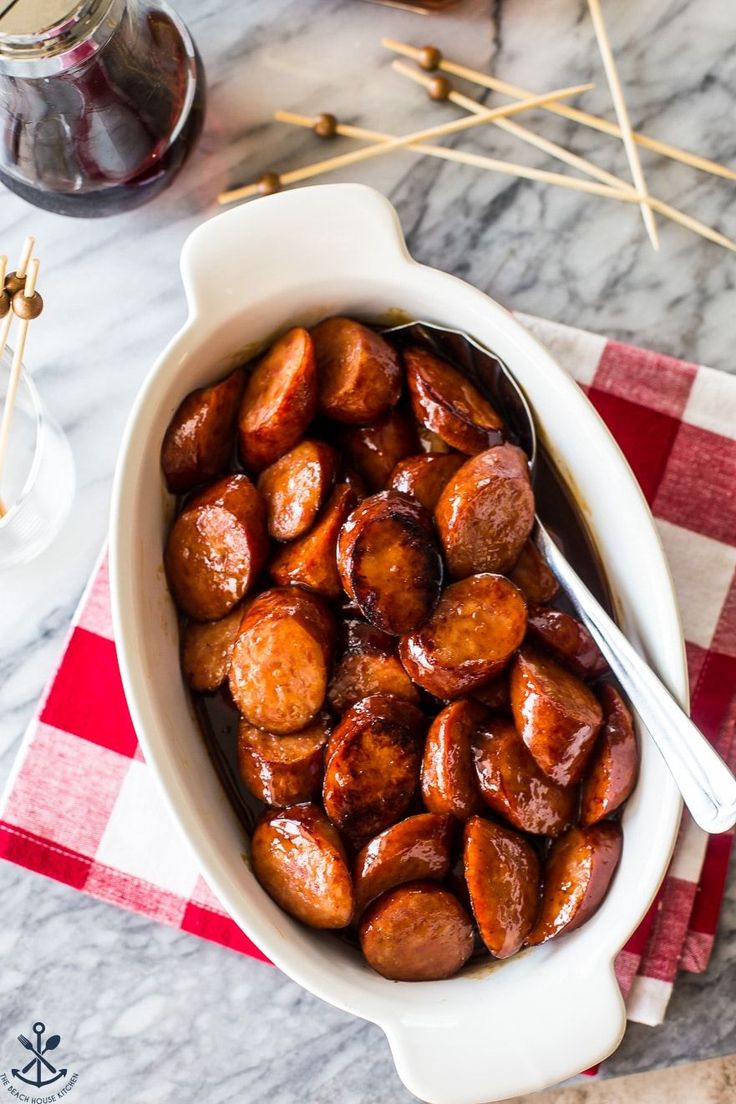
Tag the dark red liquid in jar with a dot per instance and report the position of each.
(111, 131)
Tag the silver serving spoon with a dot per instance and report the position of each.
(707, 786)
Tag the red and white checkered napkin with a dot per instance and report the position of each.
(82, 806)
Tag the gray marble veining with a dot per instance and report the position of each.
(153, 1015)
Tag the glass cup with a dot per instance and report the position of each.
(37, 484)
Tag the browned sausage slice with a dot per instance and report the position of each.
(614, 765)
(281, 660)
(359, 372)
(447, 403)
(375, 449)
(372, 766)
(283, 770)
(424, 477)
(477, 626)
(416, 932)
(418, 847)
(216, 548)
(200, 435)
(556, 715)
(299, 860)
(389, 562)
(577, 875)
(502, 875)
(486, 512)
(295, 488)
(206, 649)
(448, 776)
(280, 400)
(512, 784)
(311, 561)
(361, 673)
(568, 639)
(532, 575)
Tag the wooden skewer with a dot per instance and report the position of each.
(695, 161)
(622, 114)
(17, 362)
(625, 193)
(405, 140)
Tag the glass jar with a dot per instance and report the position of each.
(100, 102)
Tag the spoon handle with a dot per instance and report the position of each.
(707, 786)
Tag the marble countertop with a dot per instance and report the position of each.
(157, 1015)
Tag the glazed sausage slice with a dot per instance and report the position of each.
(283, 770)
(424, 477)
(374, 450)
(447, 403)
(280, 400)
(389, 562)
(361, 673)
(577, 875)
(532, 575)
(477, 626)
(296, 487)
(418, 847)
(311, 561)
(216, 548)
(568, 639)
(614, 765)
(556, 715)
(448, 776)
(281, 660)
(416, 932)
(486, 512)
(512, 784)
(372, 766)
(359, 372)
(200, 435)
(299, 860)
(206, 649)
(502, 876)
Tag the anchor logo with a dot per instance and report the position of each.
(38, 1060)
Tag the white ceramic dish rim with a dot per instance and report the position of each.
(494, 1031)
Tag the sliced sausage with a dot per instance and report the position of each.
(448, 776)
(418, 847)
(477, 626)
(283, 770)
(361, 673)
(495, 694)
(372, 766)
(216, 548)
(512, 784)
(532, 575)
(389, 562)
(430, 441)
(311, 561)
(447, 403)
(502, 875)
(359, 372)
(486, 512)
(206, 648)
(424, 477)
(199, 438)
(375, 450)
(614, 765)
(281, 660)
(280, 400)
(296, 487)
(568, 639)
(556, 715)
(416, 932)
(356, 482)
(299, 860)
(577, 875)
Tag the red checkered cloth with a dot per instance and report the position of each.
(82, 807)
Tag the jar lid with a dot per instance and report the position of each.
(41, 37)
(36, 17)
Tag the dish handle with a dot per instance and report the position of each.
(494, 1045)
(250, 252)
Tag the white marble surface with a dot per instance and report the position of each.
(152, 1015)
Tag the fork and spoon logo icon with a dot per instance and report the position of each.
(38, 1060)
